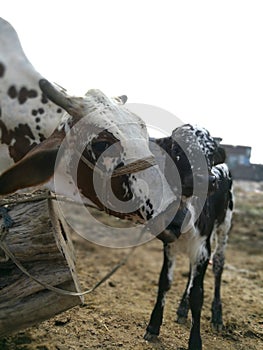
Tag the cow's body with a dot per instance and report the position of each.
(198, 228)
(40, 125)
(27, 116)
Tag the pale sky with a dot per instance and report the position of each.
(202, 61)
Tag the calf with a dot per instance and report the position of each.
(98, 138)
(215, 223)
(193, 231)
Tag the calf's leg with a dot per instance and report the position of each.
(165, 281)
(218, 267)
(183, 309)
(199, 262)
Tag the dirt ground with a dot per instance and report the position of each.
(116, 314)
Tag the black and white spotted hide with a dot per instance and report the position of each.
(214, 221)
(194, 152)
(42, 127)
(27, 116)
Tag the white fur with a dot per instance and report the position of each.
(99, 112)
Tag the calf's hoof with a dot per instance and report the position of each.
(217, 327)
(197, 346)
(150, 337)
(181, 319)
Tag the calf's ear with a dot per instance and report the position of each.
(36, 168)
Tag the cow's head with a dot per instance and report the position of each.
(104, 150)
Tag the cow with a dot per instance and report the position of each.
(104, 144)
(194, 226)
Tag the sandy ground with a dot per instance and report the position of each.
(116, 314)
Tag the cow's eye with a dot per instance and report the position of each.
(100, 146)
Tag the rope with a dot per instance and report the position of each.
(57, 290)
(134, 167)
(5, 230)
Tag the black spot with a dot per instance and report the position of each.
(0, 112)
(37, 119)
(59, 110)
(38, 127)
(148, 215)
(44, 99)
(41, 137)
(34, 112)
(32, 93)
(23, 95)
(2, 70)
(12, 93)
(41, 110)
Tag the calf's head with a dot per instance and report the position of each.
(194, 152)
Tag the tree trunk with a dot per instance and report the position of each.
(40, 240)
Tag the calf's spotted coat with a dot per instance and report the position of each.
(192, 231)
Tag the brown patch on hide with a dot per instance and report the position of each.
(19, 141)
(38, 165)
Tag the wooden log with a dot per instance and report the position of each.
(40, 240)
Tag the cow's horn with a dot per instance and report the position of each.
(71, 105)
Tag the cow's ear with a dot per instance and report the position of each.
(36, 168)
(121, 100)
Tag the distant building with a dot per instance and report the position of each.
(238, 160)
(237, 155)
